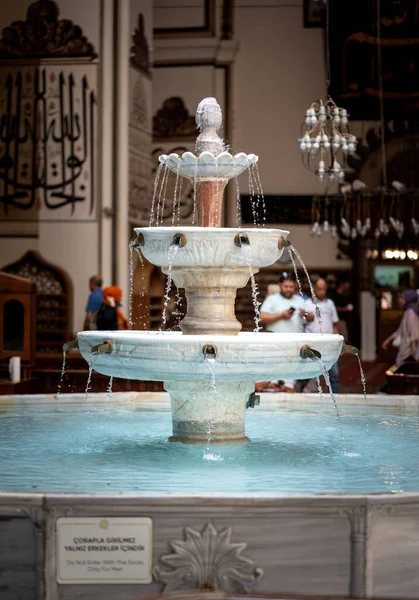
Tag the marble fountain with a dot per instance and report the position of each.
(125, 510)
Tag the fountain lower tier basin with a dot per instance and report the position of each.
(211, 246)
(309, 519)
(209, 378)
(172, 356)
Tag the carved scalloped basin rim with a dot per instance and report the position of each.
(160, 356)
(222, 166)
(212, 246)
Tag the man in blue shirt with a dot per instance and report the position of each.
(94, 301)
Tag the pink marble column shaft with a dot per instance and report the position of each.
(209, 202)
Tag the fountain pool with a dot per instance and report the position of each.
(309, 517)
(293, 450)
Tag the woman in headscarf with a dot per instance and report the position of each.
(110, 316)
(406, 337)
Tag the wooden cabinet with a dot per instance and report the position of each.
(53, 301)
(17, 318)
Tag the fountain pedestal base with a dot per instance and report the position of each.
(205, 411)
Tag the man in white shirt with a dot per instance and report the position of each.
(329, 320)
(285, 312)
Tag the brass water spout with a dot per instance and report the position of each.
(283, 243)
(179, 239)
(347, 349)
(253, 400)
(104, 347)
(307, 352)
(73, 345)
(242, 239)
(139, 241)
(210, 351)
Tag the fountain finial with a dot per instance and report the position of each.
(209, 119)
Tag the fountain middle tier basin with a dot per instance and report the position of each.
(211, 246)
(172, 356)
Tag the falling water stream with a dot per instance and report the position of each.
(57, 395)
(162, 200)
(259, 186)
(252, 195)
(256, 193)
(363, 380)
(207, 455)
(247, 251)
(179, 200)
(320, 390)
(300, 289)
(364, 385)
(175, 201)
(109, 390)
(131, 281)
(153, 202)
(292, 249)
(171, 257)
(325, 374)
(178, 307)
(238, 203)
(89, 382)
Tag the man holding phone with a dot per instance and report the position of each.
(285, 312)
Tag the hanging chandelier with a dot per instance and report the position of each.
(387, 215)
(326, 141)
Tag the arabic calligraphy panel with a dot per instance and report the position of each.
(48, 142)
(140, 134)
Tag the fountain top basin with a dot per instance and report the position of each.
(211, 246)
(207, 165)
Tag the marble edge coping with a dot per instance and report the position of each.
(16, 501)
(271, 400)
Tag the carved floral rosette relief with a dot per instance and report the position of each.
(207, 560)
(173, 121)
(44, 35)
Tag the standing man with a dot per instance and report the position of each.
(93, 302)
(329, 321)
(284, 312)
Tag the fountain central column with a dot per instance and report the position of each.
(211, 294)
(209, 201)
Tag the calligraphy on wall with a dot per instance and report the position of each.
(371, 55)
(139, 146)
(140, 53)
(47, 141)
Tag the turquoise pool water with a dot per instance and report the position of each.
(90, 448)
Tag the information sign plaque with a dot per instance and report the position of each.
(104, 550)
